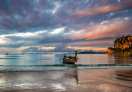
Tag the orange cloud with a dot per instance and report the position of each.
(86, 48)
(101, 43)
(104, 9)
(111, 29)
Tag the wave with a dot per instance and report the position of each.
(61, 67)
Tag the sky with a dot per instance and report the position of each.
(63, 23)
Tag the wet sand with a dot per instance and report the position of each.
(67, 80)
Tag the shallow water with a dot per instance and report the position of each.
(54, 58)
(46, 73)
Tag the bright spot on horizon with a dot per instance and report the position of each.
(87, 48)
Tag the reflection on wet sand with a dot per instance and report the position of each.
(125, 75)
(46, 80)
(104, 80)
(69, 80)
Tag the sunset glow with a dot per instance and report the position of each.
(61, 24)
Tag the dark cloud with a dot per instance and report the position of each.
(28, 14)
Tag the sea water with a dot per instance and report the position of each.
(45, 72)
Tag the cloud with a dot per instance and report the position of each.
(57, 31)
(63, 22)
(126, 4)
(32, 38)
(112, 28)
(24, 34)
(97, 34)
(93, 43)
(57, 5)
(4, 41)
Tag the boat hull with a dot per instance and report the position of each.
(69, 60)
